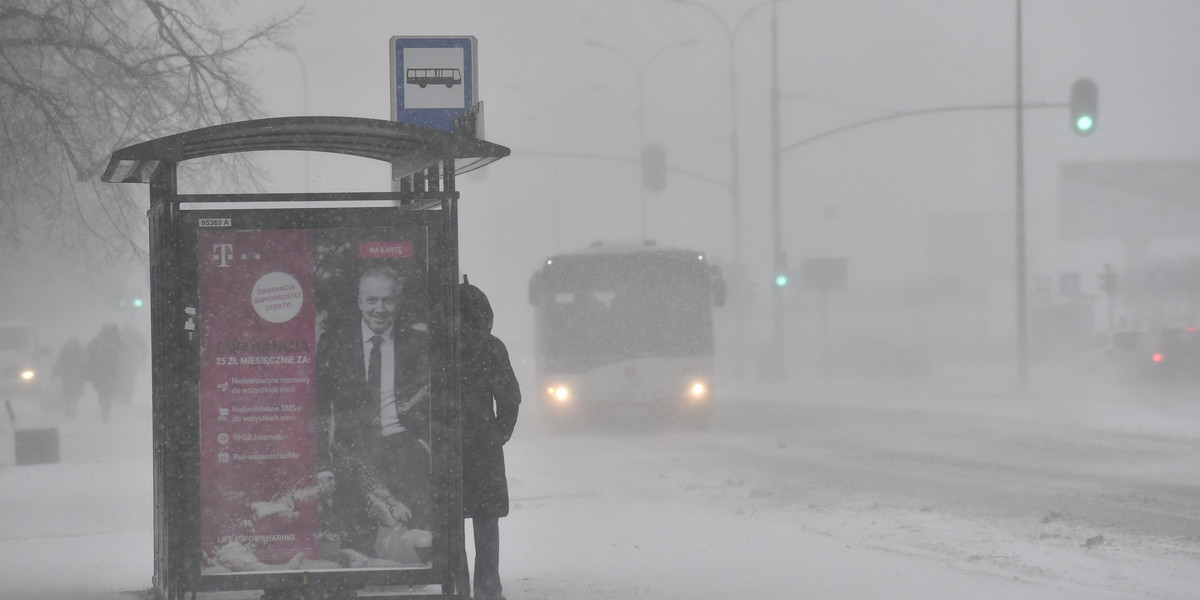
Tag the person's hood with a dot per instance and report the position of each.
(474, 308)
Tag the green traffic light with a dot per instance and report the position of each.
(137, 303)
(781, 280)
(1085, 96)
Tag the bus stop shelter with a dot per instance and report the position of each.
(252, 488)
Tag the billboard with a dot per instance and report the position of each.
(319, 338)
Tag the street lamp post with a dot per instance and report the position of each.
(735, 170)
(735, 178)
(640, 71)
(1022, 275)
(553, 110)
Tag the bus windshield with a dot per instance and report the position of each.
(603, 308)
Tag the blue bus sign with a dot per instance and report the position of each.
(434, 80)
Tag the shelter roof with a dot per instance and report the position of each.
(409, 147)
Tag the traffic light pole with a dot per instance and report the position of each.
(1022, 307)
(1022, 276)
(916, 113)
(779, 259)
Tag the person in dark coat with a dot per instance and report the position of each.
(104, 355)
(490, 401)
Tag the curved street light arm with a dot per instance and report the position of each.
(914, 113)
(750, 11)
(729, 32)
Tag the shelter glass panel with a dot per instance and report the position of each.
(321, 336)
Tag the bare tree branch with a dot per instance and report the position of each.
(79, 78)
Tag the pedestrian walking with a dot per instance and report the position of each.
(103, 365)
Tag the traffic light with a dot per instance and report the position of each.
(654, 167)
(1084, 97)
(781, 279)
(1108, 280)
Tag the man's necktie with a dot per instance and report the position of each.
(373, 368)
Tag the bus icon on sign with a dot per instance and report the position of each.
(424, 77)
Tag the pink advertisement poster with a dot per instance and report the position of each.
(258, 463)
(314, 399)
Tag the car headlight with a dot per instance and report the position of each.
(559, 393)
(698, 390)
(28, 375)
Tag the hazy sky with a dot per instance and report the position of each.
(558, 75)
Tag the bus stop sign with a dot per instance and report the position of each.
(434, 80)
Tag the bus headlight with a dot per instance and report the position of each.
(561, 394)
(698, 390)
(27, 375)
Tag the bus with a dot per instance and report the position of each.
(626, 331)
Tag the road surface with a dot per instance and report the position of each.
(837, 491)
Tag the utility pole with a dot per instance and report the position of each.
(735, 186)
(1022, 292)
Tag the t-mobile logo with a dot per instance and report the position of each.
(222, 252)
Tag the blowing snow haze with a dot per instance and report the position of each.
(922, 208)
(857, 180)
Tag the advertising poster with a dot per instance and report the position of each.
(315, 399)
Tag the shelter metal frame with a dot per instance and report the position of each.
(425, 163)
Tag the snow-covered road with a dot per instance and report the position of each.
(858, 492)
(826, 492)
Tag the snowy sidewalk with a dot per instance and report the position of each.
(79, 529)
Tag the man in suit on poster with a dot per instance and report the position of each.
(373, 410)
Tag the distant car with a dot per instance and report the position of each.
(21, 375)
(1167, 355)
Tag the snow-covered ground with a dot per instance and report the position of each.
(80, 528)
(861, 492)
(824, 491)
